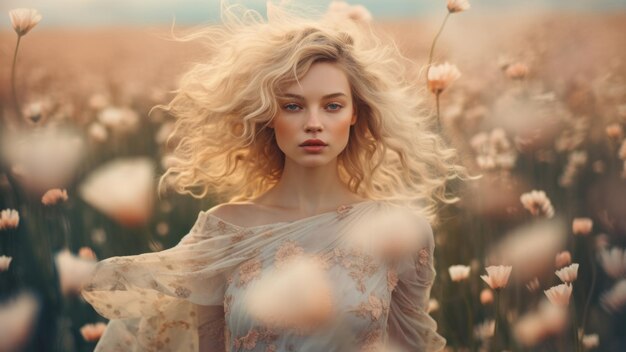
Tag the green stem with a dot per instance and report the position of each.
(470, 322)
(16, 104)
(583, 323)
(432, 46)
(575, 328)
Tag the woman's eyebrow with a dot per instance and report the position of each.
(300, 97)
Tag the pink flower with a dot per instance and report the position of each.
(614, 130)
(9, 219)
(87, 253)
(559, 295)
(54, 196)
(563, 259)
(23, 20)
(582, 226)
(537, 203)
(516, 71)
(441, 77)
(92, 332)
(342, 10)
(535, 326)
(433, 305)
(458, 5)
(568, 274)
(498, 276)
(486, 296)
(459, 272)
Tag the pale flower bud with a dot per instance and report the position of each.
(441, 77)
(54, 196)
(458, 5)
(614, 130)
(459, 272)
(9, 219)
(533, 285)
(563, 259)
(92, 332)
(591, 341)
(516, 71)
(87, 254)
(486, 296)
(582, 226)
(23, 20)
(5, 262)
(433, 305)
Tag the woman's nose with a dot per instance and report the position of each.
(313, 123)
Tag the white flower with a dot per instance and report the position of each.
(615, 298)
(5, 262)
(485, 329)
(591, 341)
(441, 77)
(23, 20)
(614, 262)
(73, 271)
(458, 5)
(498, 276)
(17, 317)
(459, 272)
(123, 189)
(559, 295)
(537, 203)
(568, 274)
(119, 119)
(535, 326)
(9, 219)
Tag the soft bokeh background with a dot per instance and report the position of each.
(90, 72)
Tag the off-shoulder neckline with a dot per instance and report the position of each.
(348, 207)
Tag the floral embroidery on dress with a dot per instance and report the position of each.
(248, 271)
(392, 280)
(182, 292)
(343, 210)
(228, 300)
(423, 256)
(247, 342)
(361, 265)
(373, 308)
(221, 227)
(372, 342)
(240, 236)
(287, 251)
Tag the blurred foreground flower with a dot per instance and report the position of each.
(54, 196)
(87, 254)
(5, 262)
(23, 20)
(17, 320)
(123, 189)
(537, 203)
(342, 10)
(582, 226)
(533, 285)
(559, 295)
(530, 249)
(441, 77)
(119, 119)
(433, 305)
(497, 276)
(613, 262)
(42, 159)
(297, 296)
(9, 219)
(568, 274)
(486, 296)
(73, 271)
(547, 321)
(459, 272)
(92, 332)
(615, 298)
(458, 5)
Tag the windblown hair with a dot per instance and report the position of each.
(224, 106)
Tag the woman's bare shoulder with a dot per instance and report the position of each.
(231, 212)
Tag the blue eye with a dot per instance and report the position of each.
(291, 107)
(334, 106)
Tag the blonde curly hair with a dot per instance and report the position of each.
(224, 106)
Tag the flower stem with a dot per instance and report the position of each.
(438, 116)
(470, 322)
(432, 46)
(583, 323)
(575, 328)
(495, 330)
(16, 104)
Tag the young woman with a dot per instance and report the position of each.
(311, 132)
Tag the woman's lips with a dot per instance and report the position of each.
(313, 148)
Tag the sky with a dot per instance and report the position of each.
(71, 13)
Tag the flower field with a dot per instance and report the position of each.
(532, 257)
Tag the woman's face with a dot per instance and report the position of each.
(313, 125)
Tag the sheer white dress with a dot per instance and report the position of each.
(192, 297)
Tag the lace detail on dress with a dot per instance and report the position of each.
(249, 271)
(343, 210)
(287, 251)
(361, 266)
(392, 279)
(374, 308)
(256, 335)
